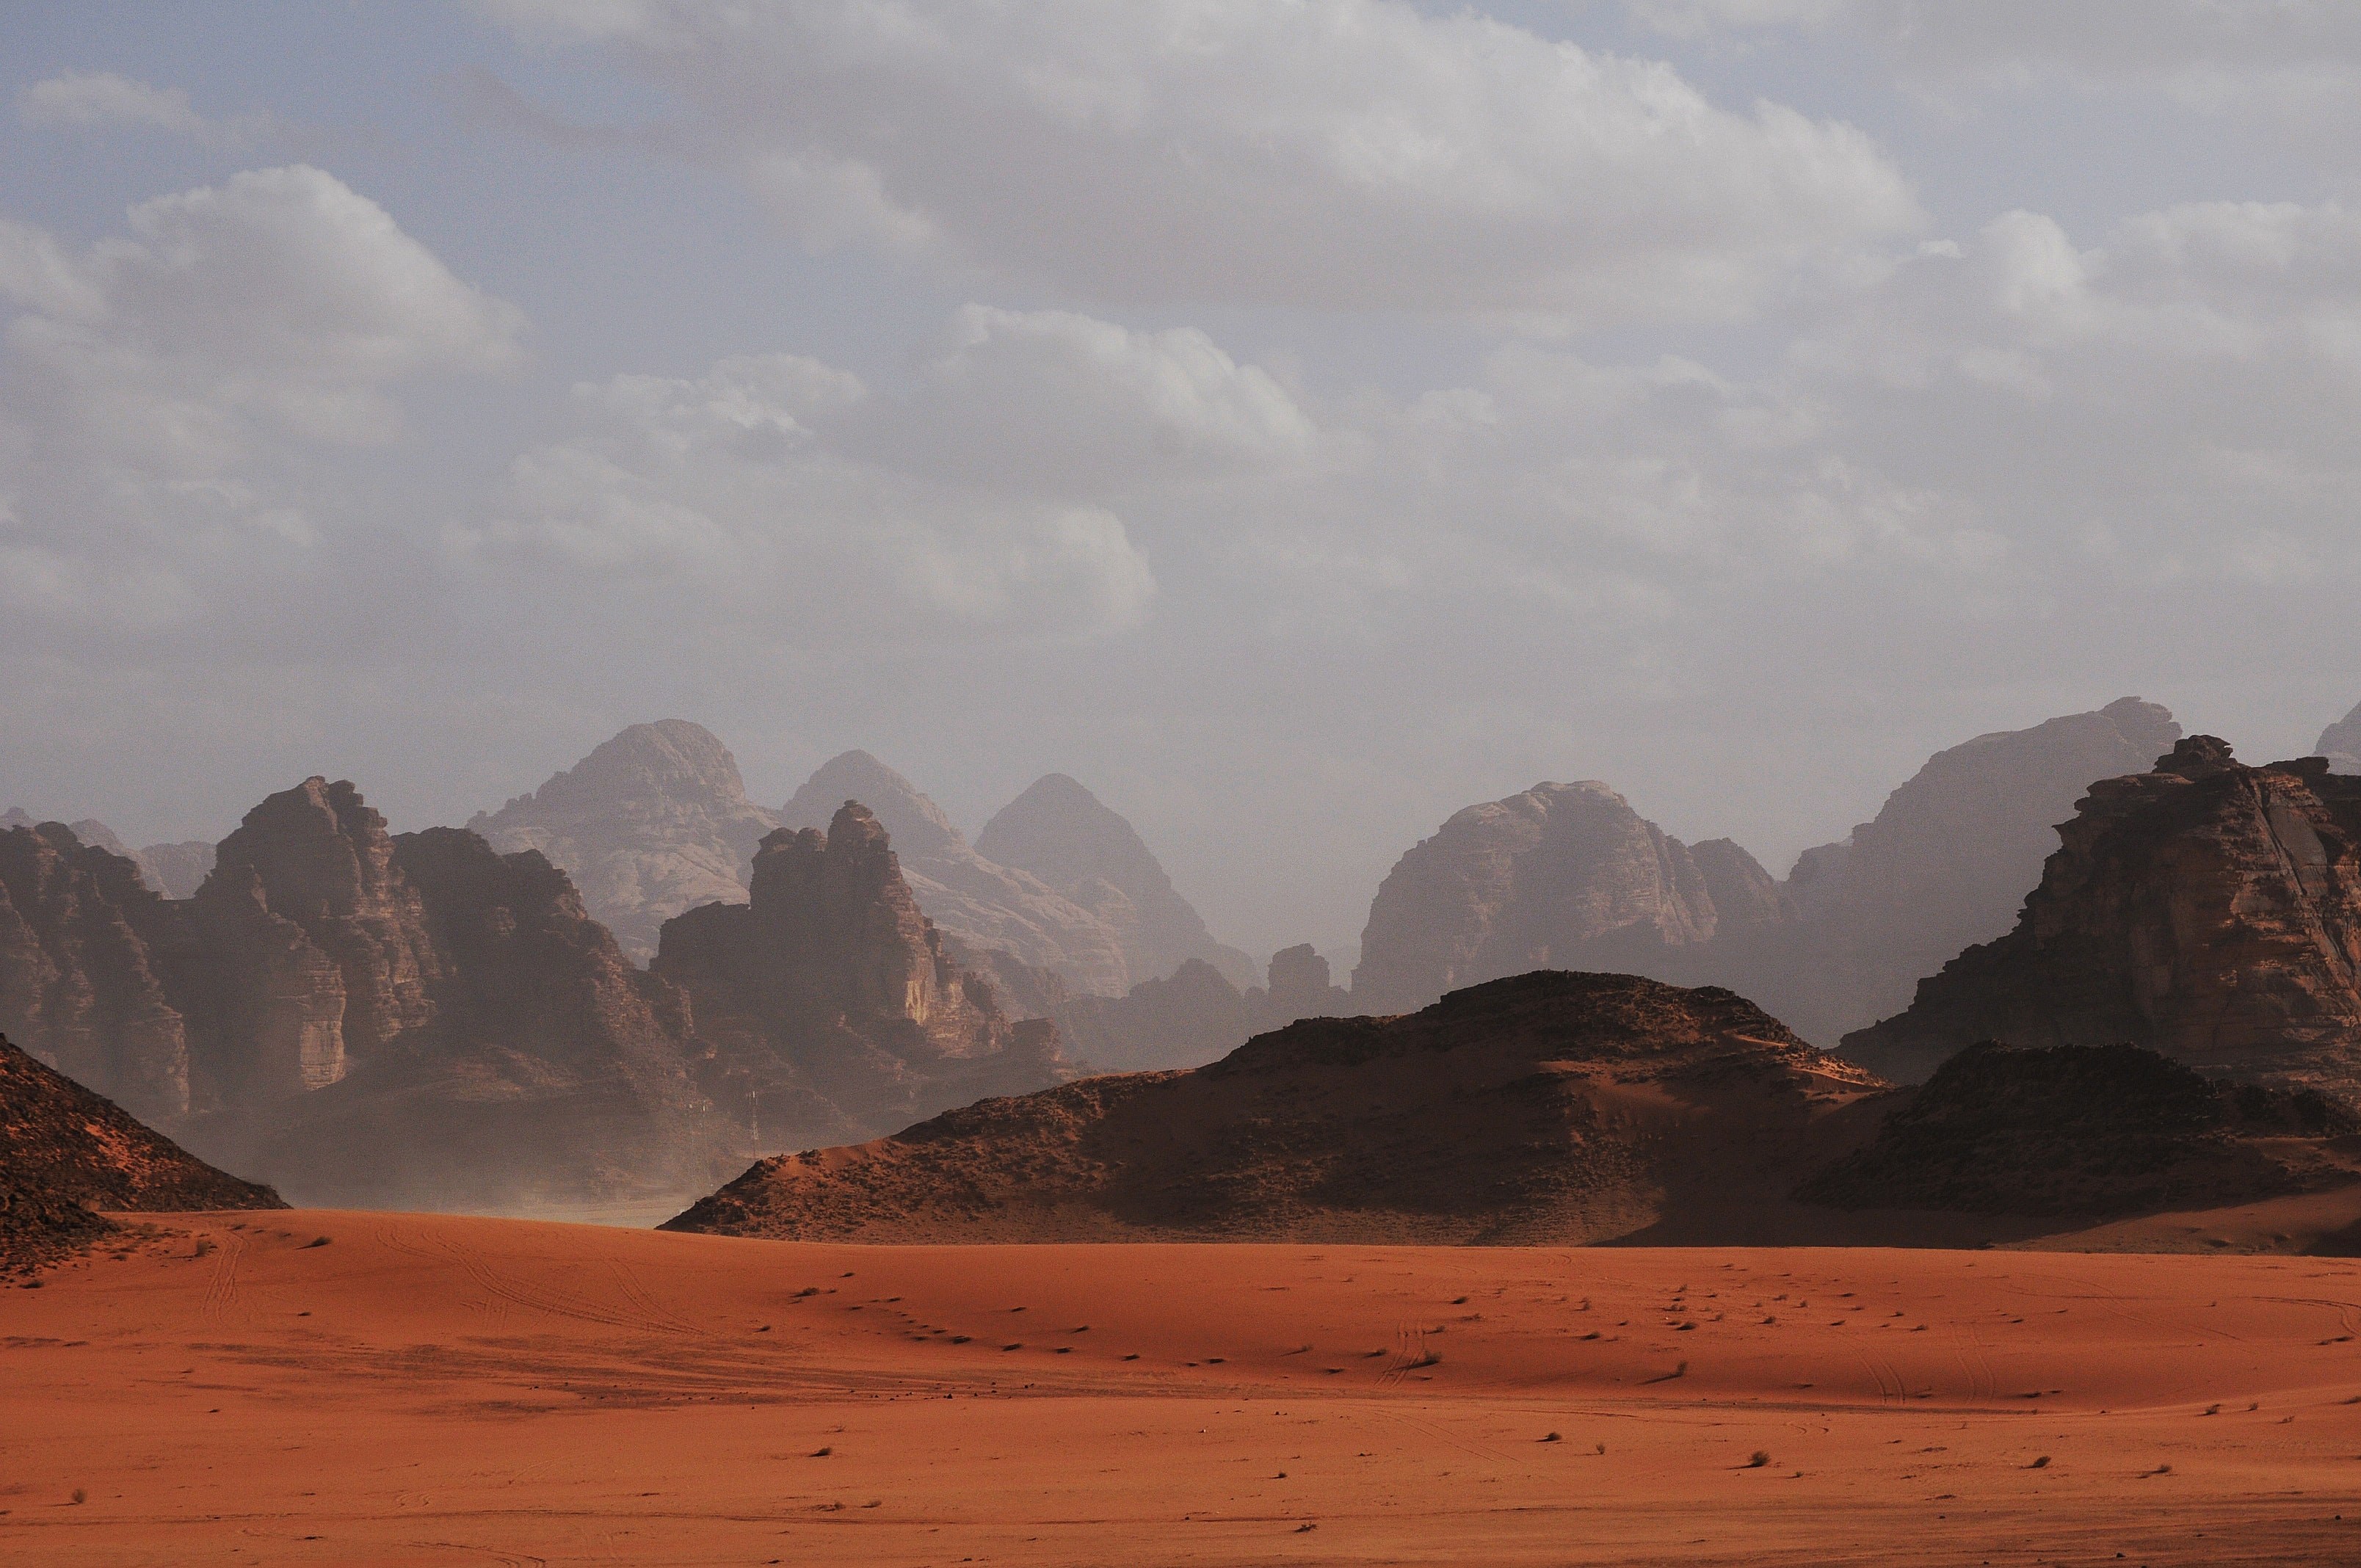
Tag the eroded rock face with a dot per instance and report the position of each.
(2206, 910)
(1947, 863)
(1550, 1107)
(1561, 876)
(652, 822)
(316, 950)
(80, 981)
(830, 1001)
(1063, 834)
(977, 902)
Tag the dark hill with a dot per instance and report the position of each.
(1550, 1107)
(65, 1152)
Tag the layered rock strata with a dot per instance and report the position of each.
(2207, 910)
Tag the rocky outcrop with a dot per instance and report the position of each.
(1548, 1108)
(80, 978)
(315, 955)
(830, 1002)
(1195, 1015)
(65, 1151)
(650, 823)
(1561, 876)
(1946, 864)
(1062, 833)
(2090, 1130)
(2341, 745)
(2206, 910)
(976, 902)
(548, 1072)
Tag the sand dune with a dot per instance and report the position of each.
(427, 1389)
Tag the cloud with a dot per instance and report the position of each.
(732, 501)
(167, 396)
(2294, 58)
(1346, 154)
(102, 100)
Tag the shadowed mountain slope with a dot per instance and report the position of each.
(1550, 1107)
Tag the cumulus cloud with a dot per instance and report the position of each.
(102, 100)
(1337, 153)
(165, 395)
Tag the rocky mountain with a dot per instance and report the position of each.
(830, 1001)
(1564, 875)
(2092, 1130)
(172, 870)
(1062, 833)
(650, 823)
(1547, 1108)
(1195, 1015)
(65, 1151)
(83, 944)
(2207, 910)
(976, 902)
(1946, 864)
(2341, 745)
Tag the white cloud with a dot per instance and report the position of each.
(1333, 153)
(165, 395)
(102, 100)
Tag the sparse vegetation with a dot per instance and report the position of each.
(1758, 1459)
(80, 1496)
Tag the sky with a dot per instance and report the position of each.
(1296, 419)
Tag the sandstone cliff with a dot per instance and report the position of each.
(1195, 1015)
(830, 1002)
(2207, 910)
(172, 870)
(1062, 833)
(80, 980)
(650, 823)
(976, 902)
(1549, 1108)
(65, 1151)
(1561, 876)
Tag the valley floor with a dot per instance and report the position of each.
(430, 1389)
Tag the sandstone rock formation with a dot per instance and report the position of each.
(80, 980)
(1559, 1108)
(976, 902)
(2341, 745)
(830, 1002)
(1561, 876)
(2206, 910)
(1946, 864)
(650, 823)
(2090, 1130)
(1063, 834)
(65, 1151)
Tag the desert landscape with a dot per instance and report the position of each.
(418, 1389)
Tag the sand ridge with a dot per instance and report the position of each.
(428, 1388)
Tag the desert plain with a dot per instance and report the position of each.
(326, 1386)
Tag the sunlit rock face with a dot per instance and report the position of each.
(652, 822)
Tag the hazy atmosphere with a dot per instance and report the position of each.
(1294, 421)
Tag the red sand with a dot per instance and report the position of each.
(430, 1389)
